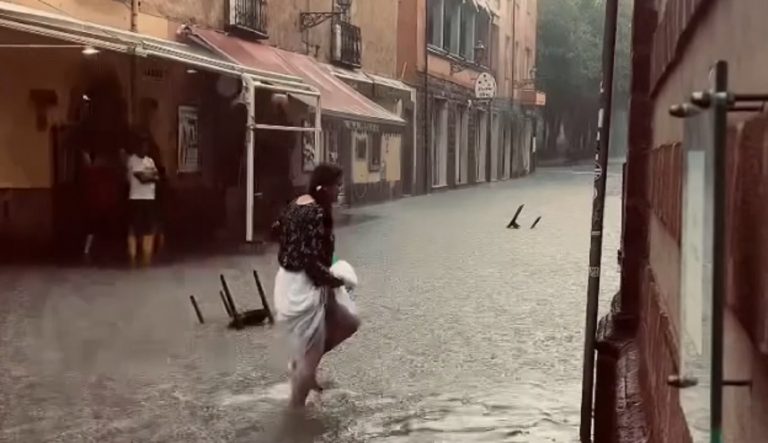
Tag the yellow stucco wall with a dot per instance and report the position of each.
(25, 151)
(391, 145)
(158, 18)
(104, 12)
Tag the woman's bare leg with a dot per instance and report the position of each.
(304, 377)
(340, 324)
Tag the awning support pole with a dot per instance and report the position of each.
(250, 155)
(318, 126)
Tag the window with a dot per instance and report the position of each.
(462, 145)
(189, 152)
(510, 60)
(361, 148)
(493, 48)
(467, 46)
(483, 34)
(435, 23)
(439, 141)
(528, 65)
(374, 161)
(456, 27)
(451, 16)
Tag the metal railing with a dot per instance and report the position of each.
(249, 15)
(346, 44)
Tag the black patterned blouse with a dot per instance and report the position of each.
(305, 245)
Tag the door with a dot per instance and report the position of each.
(406, 155)
(481, 146)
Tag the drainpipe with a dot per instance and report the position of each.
(514, 113)
(427, 148)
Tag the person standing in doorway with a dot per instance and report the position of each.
(143, 176)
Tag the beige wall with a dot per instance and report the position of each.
(158, 18)
(377, 20)
(25, 152)
(205, 13)
(105, 12)
(411, 25)
(518, 22)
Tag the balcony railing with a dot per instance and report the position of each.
(249, 16)
(346, 44)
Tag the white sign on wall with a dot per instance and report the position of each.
(485, 86)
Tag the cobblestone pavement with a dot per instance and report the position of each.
(471, 332)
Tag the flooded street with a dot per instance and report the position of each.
(471, 333)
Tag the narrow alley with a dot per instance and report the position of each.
(471, 332)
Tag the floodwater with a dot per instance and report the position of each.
(471, 333)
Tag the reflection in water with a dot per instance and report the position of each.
(526, 413)
(521, 414)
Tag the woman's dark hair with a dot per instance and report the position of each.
(324, 176)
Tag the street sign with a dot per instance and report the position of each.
(485, 86)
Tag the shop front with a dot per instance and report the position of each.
(360, 135)
(74, 92)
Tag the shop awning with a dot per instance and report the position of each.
(68, 29)
(338, 99)
(368, 78)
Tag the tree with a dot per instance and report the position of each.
(569, 61)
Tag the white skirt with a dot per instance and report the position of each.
(300, 305)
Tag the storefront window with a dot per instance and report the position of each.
(189, 148)
(374, 163)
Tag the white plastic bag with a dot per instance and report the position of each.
(344, 295)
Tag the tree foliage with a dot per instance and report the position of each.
(569, 67)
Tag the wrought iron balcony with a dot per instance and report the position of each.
(249, 16)
(346, 44)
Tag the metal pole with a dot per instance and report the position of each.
(427, 115)
(250, 174)
(718, 248)
(598, 206)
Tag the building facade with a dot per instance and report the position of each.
(259, 77)
(463, 140)
(359, 45)
(675, 44)
(95, 103)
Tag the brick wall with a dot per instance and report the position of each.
(748, 234)
(662, 41)
(677, 23)
(665, 187)
(659, 356)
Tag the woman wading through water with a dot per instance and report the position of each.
(308, 283)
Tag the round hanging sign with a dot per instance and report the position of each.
(485, 86)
